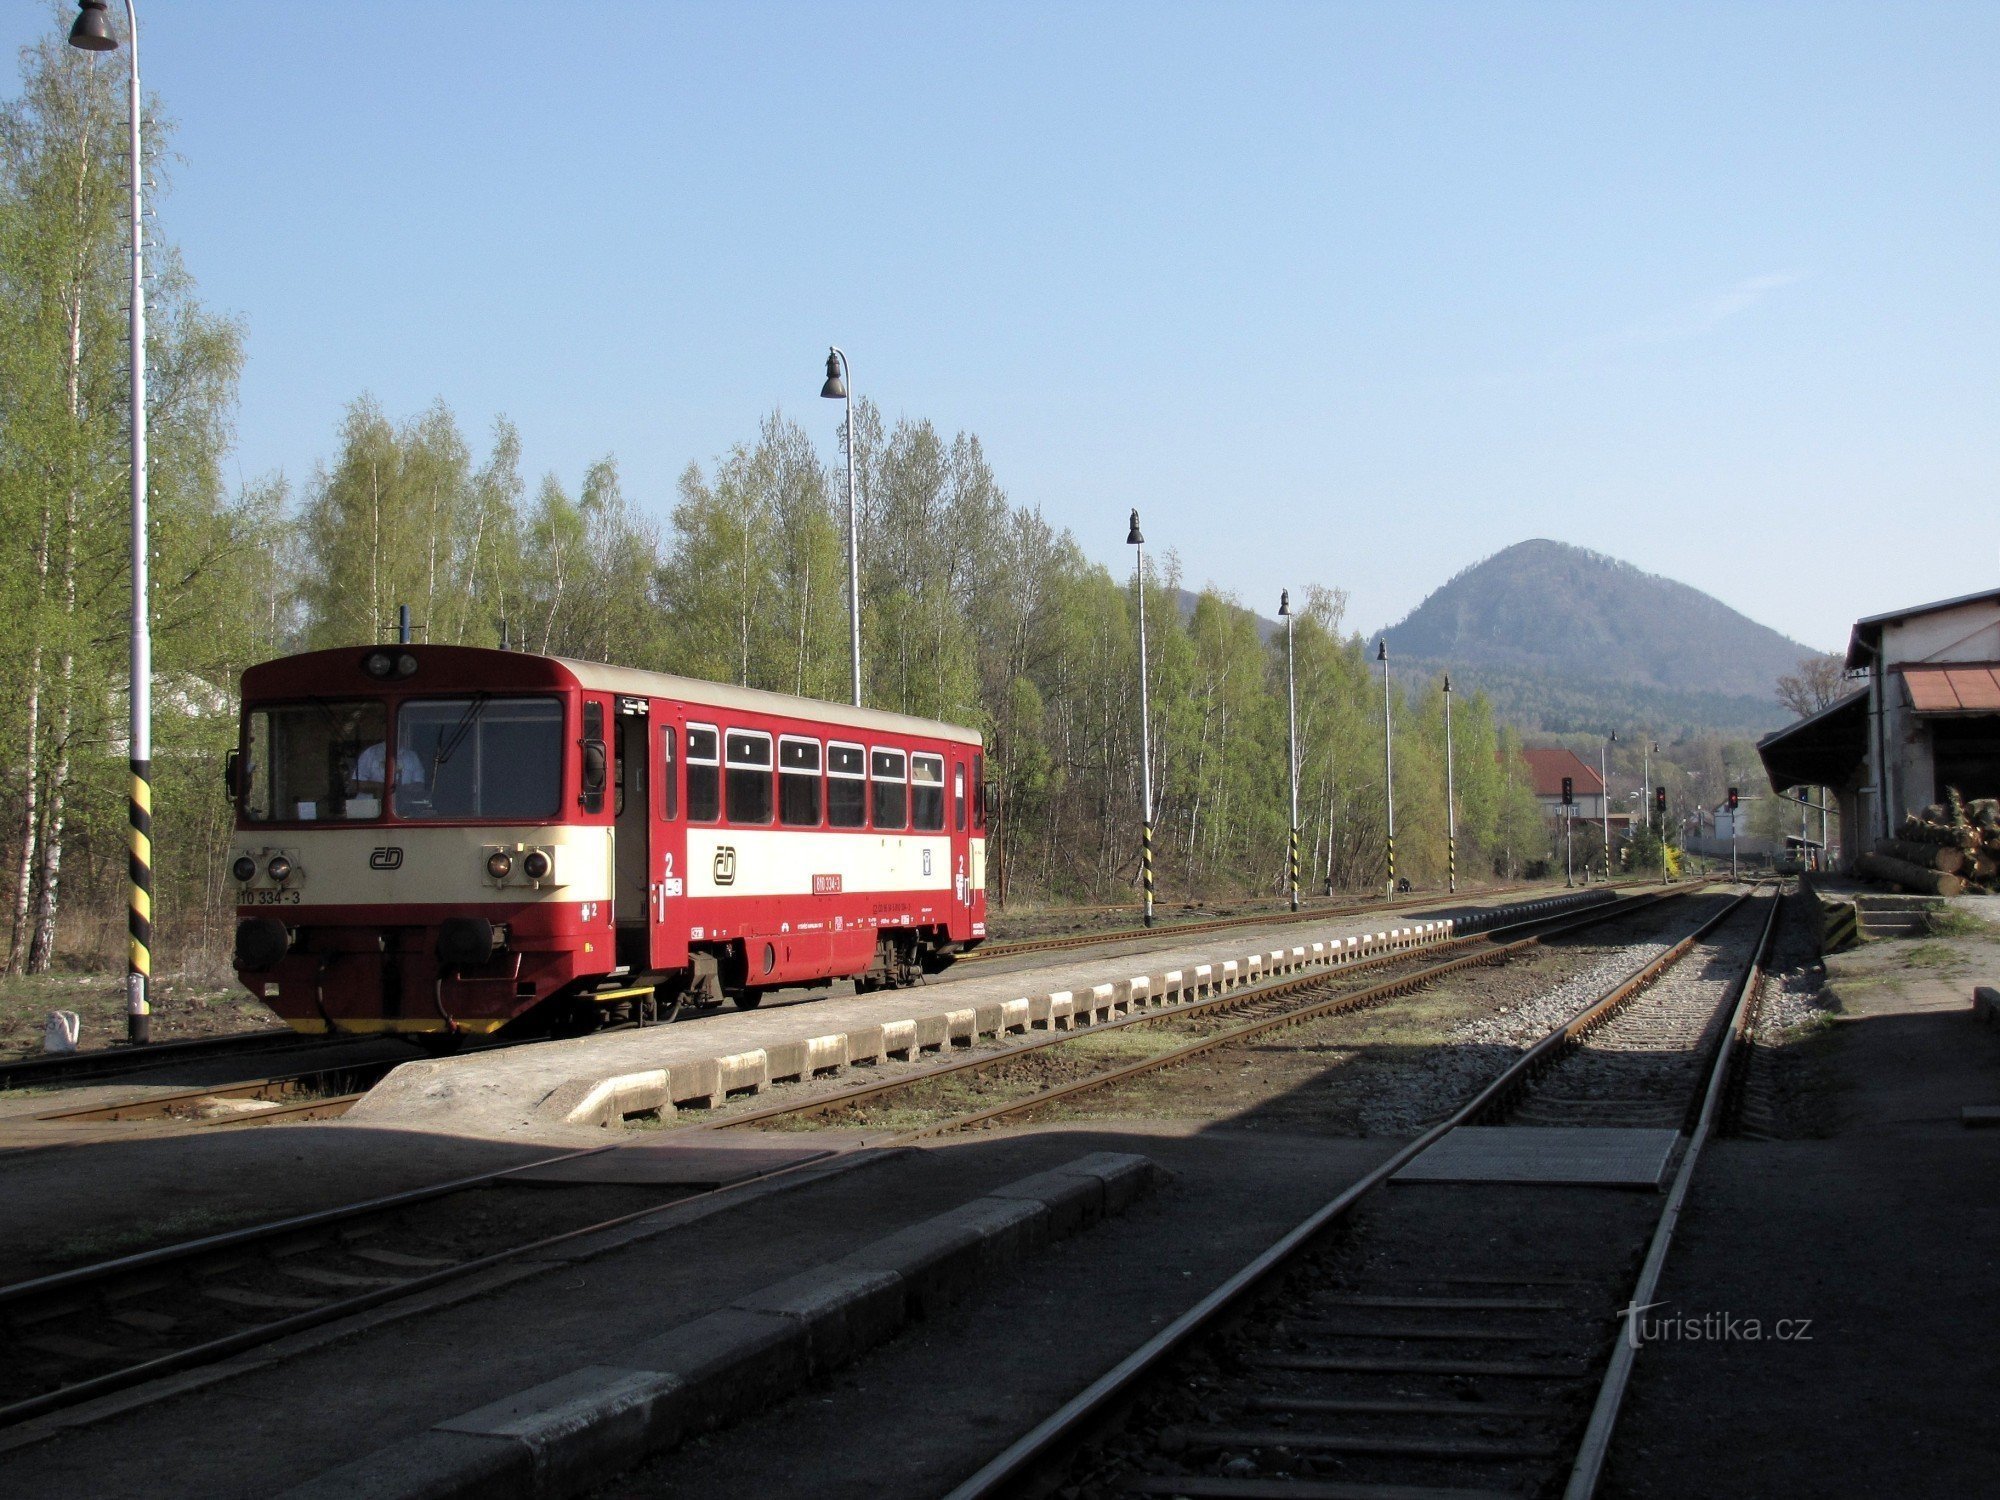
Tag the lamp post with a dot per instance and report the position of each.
(1388, 760)
(837, 389)
(91, 32)
(1136, 538)
(1450, 800)
(1604, 799)
(1292, 745)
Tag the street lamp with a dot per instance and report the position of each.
(1604, 798)
(1136, 538)
(92, 33)
(1450, 799)
(836, 389)
(1292, 743)
(1388, 761)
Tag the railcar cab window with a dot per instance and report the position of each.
(892, 792)
(479, 757)
(704, 772)
(748, 772)
(846, 786)
(978, 790)
(927, 792)
(798, 782)
(303, 762)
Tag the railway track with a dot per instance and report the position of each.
(1311, 911)
(1461, 1337)
(97, 1329)
(101, 1064)
(1222, 1020)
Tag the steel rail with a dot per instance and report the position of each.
(1596, 1446)
(109, 1062)
(1068, 1423)
(196, 1355)
(1557, 923)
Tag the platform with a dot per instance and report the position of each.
(601, 1080)
(1592, 1156)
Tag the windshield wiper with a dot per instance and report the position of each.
(451, 742)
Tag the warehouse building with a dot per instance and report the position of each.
(1925, 719)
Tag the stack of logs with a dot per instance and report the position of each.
(1952, 847)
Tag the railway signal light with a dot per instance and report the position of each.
(1659, 799)
(1569, 790)
(1732, 799)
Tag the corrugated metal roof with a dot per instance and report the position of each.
(1960, 688)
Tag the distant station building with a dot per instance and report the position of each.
(1925, 720)
(1546, 770)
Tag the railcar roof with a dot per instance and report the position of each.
(604, 677)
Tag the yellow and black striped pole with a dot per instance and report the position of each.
(1134, 537)
(1450, 799)
(139, 917)
(1295, 868)
(1388, 760)
(1146, 866)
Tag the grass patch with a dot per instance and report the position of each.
(1932, 956)
(1952, 922)
(182, 1224)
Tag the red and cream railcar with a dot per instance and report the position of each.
(448, 839)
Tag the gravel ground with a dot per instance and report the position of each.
(1437, 1081)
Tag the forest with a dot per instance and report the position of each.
(975, 608)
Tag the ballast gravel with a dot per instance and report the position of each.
(1437, 1080)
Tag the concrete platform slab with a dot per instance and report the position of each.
(596, 1081)
(1597, 1156)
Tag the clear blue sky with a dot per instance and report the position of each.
(1338, 293)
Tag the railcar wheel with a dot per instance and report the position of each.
(748, 999)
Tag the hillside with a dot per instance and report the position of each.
(1562, 638)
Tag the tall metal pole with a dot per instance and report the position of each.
(1646, 749)
(1292, 745)
(1450, 799)
(1388, 760)
(1137, 539)
(853, 532)
(91, 34)
(1604, 799)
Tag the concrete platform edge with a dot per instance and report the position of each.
(566, 1435)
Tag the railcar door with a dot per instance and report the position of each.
(632, 829)
(668, 883)
(961, 847)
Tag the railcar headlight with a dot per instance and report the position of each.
(245, 868)
(499, 864)
(536, 865)
(406, 665)
(378, 664)
(279, 868)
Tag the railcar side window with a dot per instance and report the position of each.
(478, 757)
(958, 795)
(747, 763)
(927, 792)
(670, 790)
(704, 773)
(846, 786)
(306, 762)
(798, 782)
(978, 790)
(892, 794)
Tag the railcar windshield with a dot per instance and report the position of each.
(479, 757)
(305, 762)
